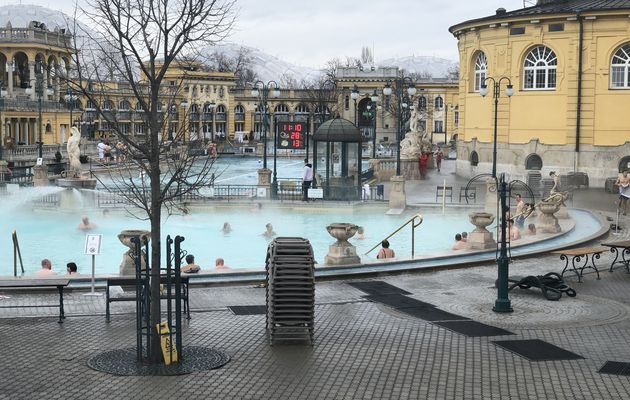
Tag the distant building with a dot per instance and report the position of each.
(569, 64)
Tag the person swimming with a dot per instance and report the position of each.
(226, 228)
(269, 232)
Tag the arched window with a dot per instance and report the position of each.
(533, 161)
(108, 105)
(422, 103)
(439, 103)
(318, 110)
(91, 105)
(239, 109)
(124, 105)
(139, 107)
(220, 109)
(620, 68)
(301, 109)
(194, 109)
(259, 109)
(281, 109)
(481, 70)
(474, 158)
(540, 68)
(207, 107)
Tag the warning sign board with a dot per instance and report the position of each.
(168, 351)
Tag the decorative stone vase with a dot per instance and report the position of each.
(128, 265)
(342, 252)
(480, 237)
(547, 221)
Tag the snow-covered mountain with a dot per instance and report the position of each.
(434, 66)
(266, 66)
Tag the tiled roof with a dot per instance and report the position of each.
(556, 7)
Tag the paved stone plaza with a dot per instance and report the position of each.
(362, 349)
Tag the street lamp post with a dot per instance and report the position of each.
(261, 91)
(183, 104)
(483, 91)
(40, 91)
(399, 84)
(355, 95)
(3, 93)
(372, 115)
(502, 303)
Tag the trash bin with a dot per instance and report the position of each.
(380, 191)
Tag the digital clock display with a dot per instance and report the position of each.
(292, 135)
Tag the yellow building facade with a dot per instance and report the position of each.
(569, 65)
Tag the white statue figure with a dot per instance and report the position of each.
(414, 120)
(74, 152)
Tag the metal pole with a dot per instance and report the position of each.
(374, 132)
(1, 123)
(494, 149)
(274, 182)
(445, 122)
(264, 110)
(502, 303)
(355, 112)
(399, 105)
(39, 104)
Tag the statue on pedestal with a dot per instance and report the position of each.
(74, 153)
(415, 142)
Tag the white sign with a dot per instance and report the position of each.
(93, 245)
(261, 192)
(40, 161)
(315, 193)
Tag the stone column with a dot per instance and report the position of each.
(397, 195)
(10, 73)
(31, 78)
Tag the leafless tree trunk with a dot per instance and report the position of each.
(142, 39)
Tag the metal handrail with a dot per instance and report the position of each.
(414, 225)
(16, 254)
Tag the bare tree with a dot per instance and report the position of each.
(241, 64)
(322, 96)
(142, 39)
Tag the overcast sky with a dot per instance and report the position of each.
(311, 32)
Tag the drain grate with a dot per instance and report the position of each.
(537, 350)
(377, 288)
(248, 310)
(473, 328)
(615, 368)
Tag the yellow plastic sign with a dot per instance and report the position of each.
(167, 347)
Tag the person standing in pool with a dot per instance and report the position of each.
(269, 232)
(385, 251)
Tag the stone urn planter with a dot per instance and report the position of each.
(128, 265)
(342, 252)
(480, 237)
(547, 221)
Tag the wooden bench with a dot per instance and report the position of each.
(444, 191)
(34, 283)
(621, 247)
(579, 254)
(130, 281)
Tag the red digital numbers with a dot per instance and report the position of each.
(290, 136)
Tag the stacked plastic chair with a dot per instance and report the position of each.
(290, 290)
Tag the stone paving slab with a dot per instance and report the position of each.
(362, 350)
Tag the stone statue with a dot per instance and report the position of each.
(74, 153)
(415, 142)
(413, 120)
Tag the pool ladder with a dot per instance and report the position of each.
(415, 222)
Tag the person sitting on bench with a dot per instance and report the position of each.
(191, 267)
